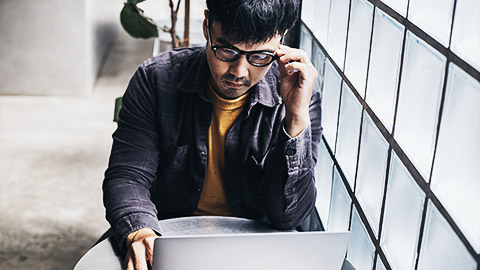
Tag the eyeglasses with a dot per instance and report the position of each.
(229, 54)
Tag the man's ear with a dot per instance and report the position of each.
(205, 24)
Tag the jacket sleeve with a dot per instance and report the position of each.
(289, 191)
(133, 162)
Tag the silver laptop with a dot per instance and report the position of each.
(250, 251)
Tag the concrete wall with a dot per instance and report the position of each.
(54, 47)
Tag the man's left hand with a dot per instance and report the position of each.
(297, 80)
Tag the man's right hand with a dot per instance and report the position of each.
(140, 249)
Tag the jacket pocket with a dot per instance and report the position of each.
(255, 177)
(175, 163)
(179, 157)
(174, 183)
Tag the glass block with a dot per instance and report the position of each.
(399, 6)
(384, 67)
(308, 13)
(339, 215)
(330, 103)
(372, 165)
(465, 36)
(455, 177)
(434, 17)
(403, 213)
(380, 265)
(323, 182)
(306, 42)
(322, 17)
(359, 44)
(337, 30)
(441, 248)
(361, 250)
(348, 133)
(419, 102)
(318, 60)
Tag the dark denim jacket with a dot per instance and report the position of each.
(159, 154)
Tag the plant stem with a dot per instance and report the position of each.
(174, 13)
(186, 28)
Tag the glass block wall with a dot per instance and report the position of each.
(399, 161)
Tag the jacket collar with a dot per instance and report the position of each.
(196, 76)
(266, 92)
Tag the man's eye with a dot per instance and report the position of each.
(227, 51)
(259, 56)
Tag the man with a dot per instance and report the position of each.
(228, 129)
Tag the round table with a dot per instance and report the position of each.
(106, 255)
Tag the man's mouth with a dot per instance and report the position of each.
(233, 85)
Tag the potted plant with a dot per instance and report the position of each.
(138, 25)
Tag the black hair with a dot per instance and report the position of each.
(253, 21)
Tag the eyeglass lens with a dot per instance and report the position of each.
(259, 59)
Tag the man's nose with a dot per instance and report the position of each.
(240, 67)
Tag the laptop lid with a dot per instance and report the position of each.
(266, 251)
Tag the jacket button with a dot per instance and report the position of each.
(291, 151)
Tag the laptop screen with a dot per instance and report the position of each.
(276, 251)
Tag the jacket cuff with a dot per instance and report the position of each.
(131, 223)
(297, 150)
(298, 156)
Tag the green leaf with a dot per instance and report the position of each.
(136, 24)
(118, 106)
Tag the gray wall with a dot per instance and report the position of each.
(54, 47)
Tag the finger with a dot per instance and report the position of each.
(129, 262)
(291, 67)
(294, 57)
(149, 245)
(138, 250)
(290, 55)
(284, 49)
(306, 70)
(294, 63)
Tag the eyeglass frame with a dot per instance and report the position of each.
(239, 52)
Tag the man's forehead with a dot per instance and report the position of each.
(223, 39)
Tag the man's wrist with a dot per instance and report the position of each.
(139, 234)
(295, 124)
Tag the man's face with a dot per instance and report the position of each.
(233, 79)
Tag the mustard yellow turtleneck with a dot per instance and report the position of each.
(213, 200)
